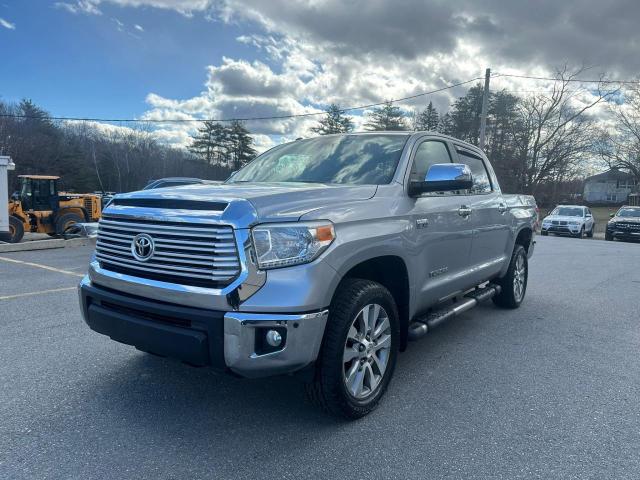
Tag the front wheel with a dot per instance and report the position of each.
(590, 233)
(608, 237)
(514, 283)
(16, 231)
(359, 350)
(66, 220)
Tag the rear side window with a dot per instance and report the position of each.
(481, 182)
(428, 153)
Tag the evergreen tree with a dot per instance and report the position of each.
(225, 145)
(335, 121)
(387, 117)
(445, 125)
(242, 151)
(427, 120)
(208, 142)
(465, 115)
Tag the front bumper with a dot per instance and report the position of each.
(203, 337)
(624, 234)
(562, 229)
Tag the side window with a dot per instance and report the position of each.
(428, 153)
(481, 182)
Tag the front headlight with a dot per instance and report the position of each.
(286, 244)
(573, 222)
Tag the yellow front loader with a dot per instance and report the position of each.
(39, 207)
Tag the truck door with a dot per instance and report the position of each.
(443, 235)
(488, 215)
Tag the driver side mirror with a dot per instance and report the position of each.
(443, 177)
(611, 215)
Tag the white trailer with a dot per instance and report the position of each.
(5, 165)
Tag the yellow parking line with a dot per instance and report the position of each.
(45, 267)
(41, 292)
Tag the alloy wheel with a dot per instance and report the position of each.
(366, 351)
(519, 278)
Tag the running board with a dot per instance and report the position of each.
(421, 326)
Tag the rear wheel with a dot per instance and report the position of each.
(66, 220)
(514, 283)
(359, 350)
(16, 231)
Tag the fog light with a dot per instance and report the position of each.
(274, 338)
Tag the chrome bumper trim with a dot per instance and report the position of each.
(303, 340)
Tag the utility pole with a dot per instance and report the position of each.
(485, 106)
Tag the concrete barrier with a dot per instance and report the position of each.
(45, 244)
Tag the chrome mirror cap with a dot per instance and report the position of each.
(447, 172)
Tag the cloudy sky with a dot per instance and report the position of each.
(161, 59)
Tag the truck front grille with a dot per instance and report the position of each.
(186, 253)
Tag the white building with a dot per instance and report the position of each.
(611, 187)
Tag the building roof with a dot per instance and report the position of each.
(613, 174)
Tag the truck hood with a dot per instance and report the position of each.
(272, 201)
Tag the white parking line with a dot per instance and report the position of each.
(45, 267)
(41, 292)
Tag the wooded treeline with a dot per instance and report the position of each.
(89, 158)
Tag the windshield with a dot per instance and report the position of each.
(344, 159)
(628, 212)
(568, 211)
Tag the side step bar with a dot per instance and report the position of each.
(421, 326)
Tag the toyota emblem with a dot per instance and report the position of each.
(142, 247)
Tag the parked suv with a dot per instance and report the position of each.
(574, 220)
(322, 257)
(624, 225)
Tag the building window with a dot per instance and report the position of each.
(612, 197)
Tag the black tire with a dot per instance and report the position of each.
(328, 390)
(543, 233)
(580, 234)
(64, 221)
(590, 233)
(16, 231)
(608, 237)
(508, 297)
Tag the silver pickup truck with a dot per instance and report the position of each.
(323, 256)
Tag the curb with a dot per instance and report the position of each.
(45, 244)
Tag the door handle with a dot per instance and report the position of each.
(502, 208)
(464, 211)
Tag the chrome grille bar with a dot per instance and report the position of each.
(186, 254)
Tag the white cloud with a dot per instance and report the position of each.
(185, 7)
(6, 24)
(314, 53)
(88, 7)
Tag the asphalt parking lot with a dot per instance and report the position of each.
(547, 391)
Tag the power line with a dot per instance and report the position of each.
(578, 80)
(242, 119)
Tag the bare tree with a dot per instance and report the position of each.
(620, 146)
(553, 133)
